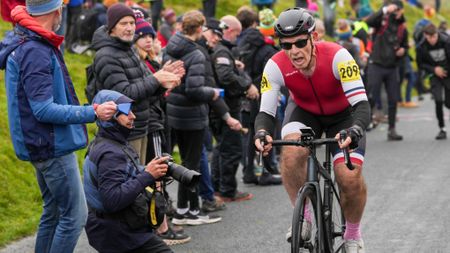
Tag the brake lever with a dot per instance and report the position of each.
(348, 162)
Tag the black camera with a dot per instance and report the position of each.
(185, 176)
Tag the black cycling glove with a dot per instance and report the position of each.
(261, 135)
(355, 133)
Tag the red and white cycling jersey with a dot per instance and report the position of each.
(335, 84)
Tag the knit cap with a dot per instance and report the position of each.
(116, 12)
(144, 28)
(42, 7)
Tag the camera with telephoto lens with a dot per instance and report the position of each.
(185, 176)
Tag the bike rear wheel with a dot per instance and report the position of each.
(300, 241)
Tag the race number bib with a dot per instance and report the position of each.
(348, 71)
(265, 84)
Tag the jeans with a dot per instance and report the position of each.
(65, 209)
(206, 188)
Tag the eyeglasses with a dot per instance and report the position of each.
(301, 43)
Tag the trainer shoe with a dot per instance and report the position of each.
(306, 232)
(354, 246)
(268, 179)
(208, 219)
(442, 135)
(172, 238)
(213, 206)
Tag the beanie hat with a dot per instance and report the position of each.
(168, 14)
(267, 19)
(116, 12)
(41, 7)
(109, 3)
(144, 28)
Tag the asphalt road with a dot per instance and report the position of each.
(407, 208)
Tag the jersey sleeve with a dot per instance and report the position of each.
(271, 82)
(347, 71)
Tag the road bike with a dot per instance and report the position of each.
(320, 197)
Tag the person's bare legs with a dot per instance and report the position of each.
(353, 191)
(293, 167)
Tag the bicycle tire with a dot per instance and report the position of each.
(334, 224)
(315, 243)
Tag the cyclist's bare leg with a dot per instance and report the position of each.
(293, 167)
(353, 191)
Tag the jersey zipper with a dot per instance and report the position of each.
(317, 97)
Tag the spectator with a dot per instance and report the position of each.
(187, 113)
(254, 52)
(167, 28)
(230, 76)
(52, 127)
(266, 23)
(433, 56)
(157, 144)
(209, 8)
(113, 179)
(346, 40)
(212, 34)
(156, 8)
(74, 8)
(117, 67)
(389, 47)
(320, 30)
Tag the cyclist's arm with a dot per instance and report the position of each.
(347, 71)
(271, 82)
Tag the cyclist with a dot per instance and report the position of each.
(328, 95)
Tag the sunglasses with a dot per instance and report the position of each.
(301, 43)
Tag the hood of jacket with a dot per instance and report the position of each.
(26, 29)
(180, 46)
(253, 37)
(101, 38)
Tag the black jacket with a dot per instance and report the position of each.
(429, 57)
(218, 106)
(228, 76)
(187, 104)
(387, 39)
(117, 67)
(119, 183)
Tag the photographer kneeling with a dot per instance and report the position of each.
(114, 182)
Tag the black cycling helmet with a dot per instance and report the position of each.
(293, 22)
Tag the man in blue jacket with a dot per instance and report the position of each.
(46, 121)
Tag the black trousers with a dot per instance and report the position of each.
(226, 157)
(440, 88)
(209, 8)
(389, 76)
(190, 144)
(71, 34)
(156, 8)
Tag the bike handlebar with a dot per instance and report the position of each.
(318, 142)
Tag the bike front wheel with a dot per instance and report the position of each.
(307, 232)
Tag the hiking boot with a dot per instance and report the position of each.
(172, 238)
(306, 232)
(354, 246)
(393, 136)
(269, 179)
(239, 196)
(212, 206)
(442, 135)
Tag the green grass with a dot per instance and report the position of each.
(20, 199)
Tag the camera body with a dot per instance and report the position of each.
(185, 176)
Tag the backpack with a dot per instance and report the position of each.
(91, 88)
(149, 207)
(86, 24)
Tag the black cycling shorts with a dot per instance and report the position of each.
(297, 118)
